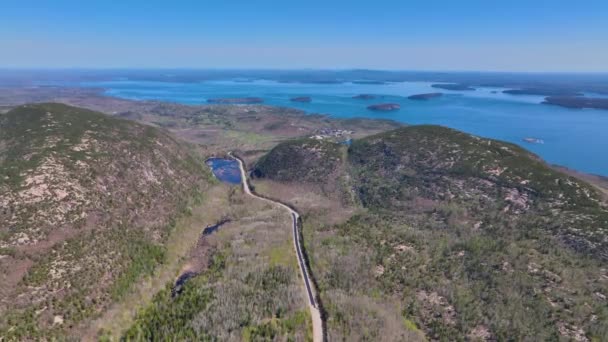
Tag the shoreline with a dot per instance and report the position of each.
(97, 98)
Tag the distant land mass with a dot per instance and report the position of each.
(315, 81)
(426, 96)
(452, 86)
(238, 100)
(591, 82)
(304, 99)
(384, 107)
(364, 97)
(542, 92)
(577, 102)
(369, 82)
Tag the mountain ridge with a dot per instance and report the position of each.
(88, 201)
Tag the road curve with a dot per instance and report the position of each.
(317, 323)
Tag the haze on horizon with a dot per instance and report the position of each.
(414, 35)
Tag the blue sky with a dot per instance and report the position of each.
(514, 35)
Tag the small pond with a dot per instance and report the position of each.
(226, 170)
(212, 229)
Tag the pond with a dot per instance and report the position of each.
(211, 229)
(226, 170)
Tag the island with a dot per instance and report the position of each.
(304, 99)
(369, 82)
(541, 92)
(578, 102)
(384, 107)
(237, 100)
(425, 97)
(533, 140)
(364, 97)
(452, 86)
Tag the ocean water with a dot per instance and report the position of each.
(575, 138)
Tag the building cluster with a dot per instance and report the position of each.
(325, 133)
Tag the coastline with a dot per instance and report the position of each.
(579, 155)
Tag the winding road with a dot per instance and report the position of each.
(317, 323)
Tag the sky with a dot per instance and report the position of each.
(462, 35)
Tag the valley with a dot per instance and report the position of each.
(404, 233)
(303, 171)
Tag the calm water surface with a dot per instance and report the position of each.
(572, 137)
(226, 170)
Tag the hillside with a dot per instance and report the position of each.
(441, 164)
(305, 160)
(459, 237)
(87, 204)
(317, 163)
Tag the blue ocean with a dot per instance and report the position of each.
(575, 138)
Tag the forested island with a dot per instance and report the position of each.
(364, 97)
(577, 102)
(384, 107)
(424, 97)
(542, 92)
(453, 86)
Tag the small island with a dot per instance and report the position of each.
(425, 97)
(303, 99)
(238, 100)
(452, 86)
(384, 107)
(577, 102)
(364, 97)
(541, 92)
(368, 82)
(533, 140)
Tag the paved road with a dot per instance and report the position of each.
(317, 324)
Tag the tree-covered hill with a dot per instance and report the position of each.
(462, 238)
(86, 204)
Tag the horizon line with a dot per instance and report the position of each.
(165, 68)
